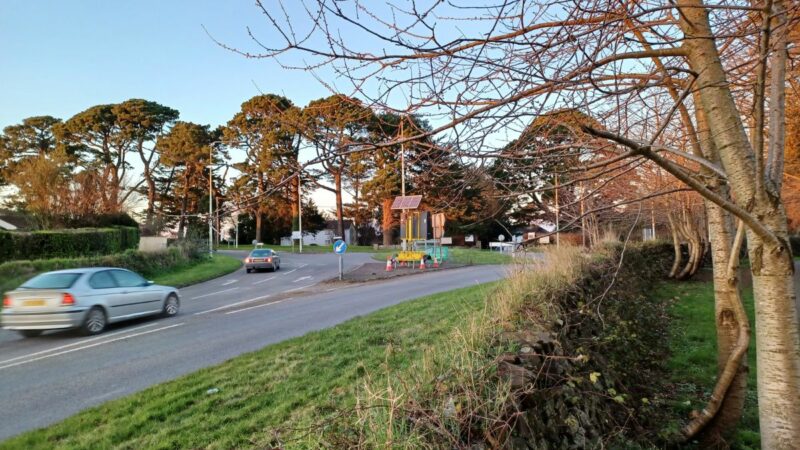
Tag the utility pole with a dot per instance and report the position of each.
(558, 217)
(402, 183)
(211, 197)
(300, 209)
(210, 200)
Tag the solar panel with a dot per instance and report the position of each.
(407, 202)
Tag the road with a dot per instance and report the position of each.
(51, 377)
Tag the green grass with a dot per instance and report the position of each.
(306, 248)
(204, 270)
(284, 390)
(459, 256)
(693, 360)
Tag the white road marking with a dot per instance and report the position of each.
(257, 306)
(297, 289)
(264, 280)
(82, 341)
(19, 363)
(229, 282)
(302, 278)
(233, 305)
(215, 293)
(301, 266)
(293, 270)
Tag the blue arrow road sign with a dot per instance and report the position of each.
(339, 247)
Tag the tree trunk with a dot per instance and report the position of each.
(733, 331)
(258, 225)
(676, 245)
(778, 337)
(387, 221)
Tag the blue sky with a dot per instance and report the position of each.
(60, 57)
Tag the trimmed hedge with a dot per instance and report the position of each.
(14, 273)
(69, 243)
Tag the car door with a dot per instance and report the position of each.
(106, 292)
(137, 297)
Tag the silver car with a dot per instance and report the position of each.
(262, 258)
(88, 299)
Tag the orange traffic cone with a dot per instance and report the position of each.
(422, 264)
(435, 263)
(389, 264)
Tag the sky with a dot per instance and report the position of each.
(61, 57)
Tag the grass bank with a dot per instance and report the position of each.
(693, 360)
(198, 271)
(277, 396)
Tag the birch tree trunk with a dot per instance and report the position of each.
(777, 336)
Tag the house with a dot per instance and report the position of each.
(325, 237)
(533, 232)
(13, 221)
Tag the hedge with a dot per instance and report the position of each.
(579, 363)
(68, 243)
(13, 273)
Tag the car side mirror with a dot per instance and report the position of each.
(149, 283)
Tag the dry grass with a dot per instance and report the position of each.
(443, 398)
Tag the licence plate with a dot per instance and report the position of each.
(36, 302)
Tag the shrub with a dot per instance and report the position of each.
(68, 243)
(13, 273)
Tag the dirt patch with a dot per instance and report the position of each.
(377, 271)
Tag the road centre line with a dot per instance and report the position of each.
(301, 287)
(214, 293)
(293, 270)
(233, 305)
(229, 282)
(19, 363)
(265, 280)
(82, 341)
(257, 306)
(303, 278)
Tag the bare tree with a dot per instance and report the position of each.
(646, 71)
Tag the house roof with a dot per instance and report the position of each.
(10, 220)
(331, 224)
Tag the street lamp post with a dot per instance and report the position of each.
(211, 197)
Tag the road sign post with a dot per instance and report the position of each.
(339, 247)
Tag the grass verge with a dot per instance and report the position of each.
(459, 256)
(693, 360)
(275, 396)
(306, 248)
(199, 271)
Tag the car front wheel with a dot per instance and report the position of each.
(171, 306)
(95, 322)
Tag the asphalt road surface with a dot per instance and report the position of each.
(51, 377)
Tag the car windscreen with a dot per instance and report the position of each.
(51, 281)
(261, 253)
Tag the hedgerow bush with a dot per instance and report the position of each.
(567, 355)
(67, 243)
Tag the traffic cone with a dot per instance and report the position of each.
(389, 264)
(435, 263)
(422, 264)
